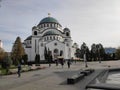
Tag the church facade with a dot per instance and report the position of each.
(49, 35)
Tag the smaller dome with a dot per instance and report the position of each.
(34, 27)
(66, 29)
(50, 33)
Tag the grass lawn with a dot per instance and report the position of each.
(13, 67)
(3, 71)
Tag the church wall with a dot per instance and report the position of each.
(68, 45)
(41, 50)
(60, 46)
(28, 52)
(34, 50)
(73, 51)
(67, 51)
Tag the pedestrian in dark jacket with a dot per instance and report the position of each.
(19, 70)
(68, 63)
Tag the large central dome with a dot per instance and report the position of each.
(48, 20)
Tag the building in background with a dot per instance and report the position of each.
(51, 36)
(110, 53)
(110, 50)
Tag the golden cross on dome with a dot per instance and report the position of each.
(49, 14)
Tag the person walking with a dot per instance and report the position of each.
(62, 63)
(68, 63)
(19, 70)
(56, 61)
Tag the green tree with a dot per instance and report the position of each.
(77, 53)
(17, 51)
(2, 54)
(6, 62)
(84, 49)
(97, 52)
(93, 52)
(101, 51)
(25, 58)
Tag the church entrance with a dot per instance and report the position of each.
(56, 54)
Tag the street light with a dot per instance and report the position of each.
(85, 59)
(99, 47)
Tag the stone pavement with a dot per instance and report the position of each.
(52, 78)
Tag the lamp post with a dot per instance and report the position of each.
(99, 47)
(84, 56)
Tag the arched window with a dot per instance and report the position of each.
(67, 34)
(47, 25)
(35, 32)
(51, 25)
(47, 38)
(40, 26)
(41, 44)
(56, 51)
(55, 25)
(35, 46)
(50, 38)
(43, 25)
(61, 53)
(54, 37)
(57, 38)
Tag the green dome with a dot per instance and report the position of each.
(50, 33)
(48, 20)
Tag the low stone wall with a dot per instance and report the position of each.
(79, 76)
(24, 69)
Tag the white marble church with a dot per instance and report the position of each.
(49, 34)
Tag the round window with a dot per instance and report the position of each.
(55, 44)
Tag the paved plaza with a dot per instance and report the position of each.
(52, 78)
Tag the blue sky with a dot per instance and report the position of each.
(90, 21)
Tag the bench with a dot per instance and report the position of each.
(75, 78)
(87, 72)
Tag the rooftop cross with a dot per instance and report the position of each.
(49, 14)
